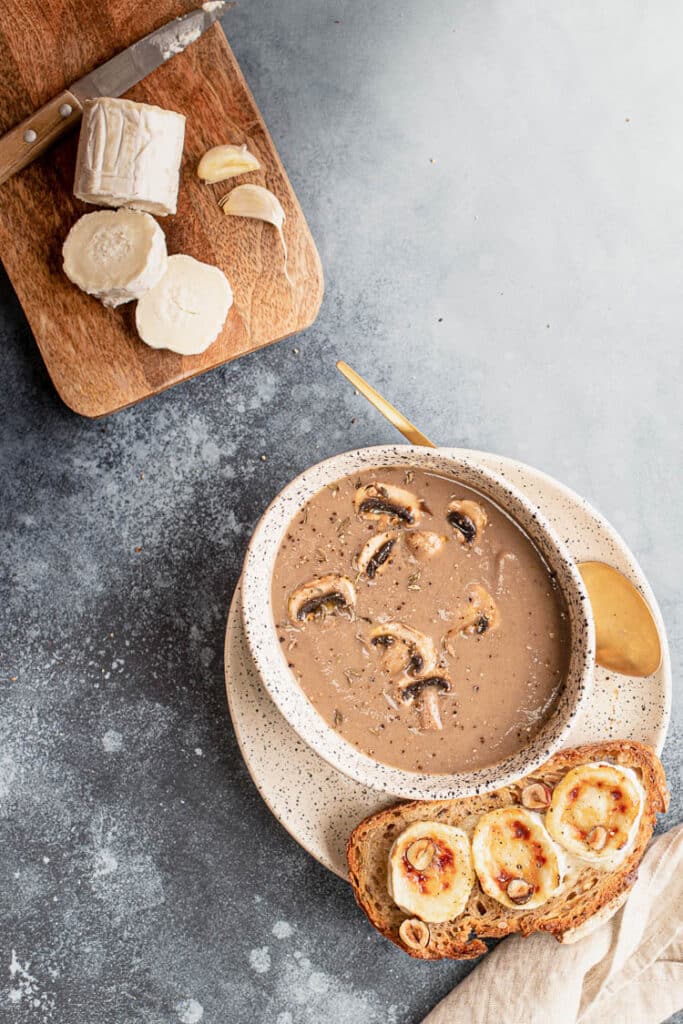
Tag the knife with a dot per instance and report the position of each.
(23, 143)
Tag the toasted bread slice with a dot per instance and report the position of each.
(591, 890)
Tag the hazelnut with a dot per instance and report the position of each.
(536, 796)
(597, 838)
(414, 933)
(519, 891)
(420, 854)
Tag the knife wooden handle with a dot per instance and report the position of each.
(22, 144)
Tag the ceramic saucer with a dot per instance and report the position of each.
(319, 806)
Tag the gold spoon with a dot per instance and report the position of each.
(626, 636)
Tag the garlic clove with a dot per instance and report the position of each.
(223, 162)
(254, 201)
(258, 203)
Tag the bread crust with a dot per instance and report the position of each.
(591, 891)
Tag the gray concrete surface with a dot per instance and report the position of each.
(496, 190)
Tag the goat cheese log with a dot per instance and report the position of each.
(129, 155)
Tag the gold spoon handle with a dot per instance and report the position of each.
(389, 411)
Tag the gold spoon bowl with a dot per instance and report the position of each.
(626, 636)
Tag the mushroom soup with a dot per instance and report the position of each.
(419, 620)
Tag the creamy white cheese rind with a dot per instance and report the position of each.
(115, 255)
(129, 155)
(186, 309)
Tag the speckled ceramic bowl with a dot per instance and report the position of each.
(281, 684)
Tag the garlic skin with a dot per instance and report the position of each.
(223, 162)
(258, 203)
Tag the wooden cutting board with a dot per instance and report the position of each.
(93, 355)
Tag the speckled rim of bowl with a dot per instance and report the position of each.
(281, 684)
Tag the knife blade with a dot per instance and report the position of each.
(23, 143)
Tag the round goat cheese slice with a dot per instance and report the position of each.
(186, 310)
(595, 812)
(115, 255)
(515, 859)
(430, 873)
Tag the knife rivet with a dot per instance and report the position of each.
(30, 135)
(66, 109)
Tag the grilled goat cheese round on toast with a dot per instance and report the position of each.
(516, 861)
(595, 811)
(430, 871)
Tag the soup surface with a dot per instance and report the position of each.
(420, 621)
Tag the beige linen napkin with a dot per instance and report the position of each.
(630, 969)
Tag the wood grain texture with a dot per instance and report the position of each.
(93, 355)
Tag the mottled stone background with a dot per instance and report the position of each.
(496, 190)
